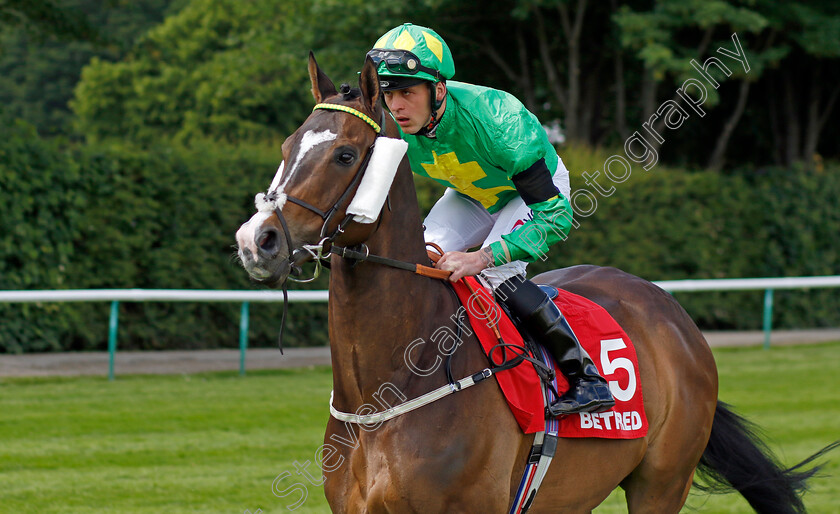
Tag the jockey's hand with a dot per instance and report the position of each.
(465, 264)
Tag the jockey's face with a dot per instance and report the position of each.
(411, 107)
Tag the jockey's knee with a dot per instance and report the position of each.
(495, 275)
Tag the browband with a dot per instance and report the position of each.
(350, 110)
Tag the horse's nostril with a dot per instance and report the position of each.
(267, 241)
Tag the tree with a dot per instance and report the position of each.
(552, 54)
(802, 92)
(226, 70)
(40, 63)
(47, 18)
(792, 49)
(674, 37)
(233, 71)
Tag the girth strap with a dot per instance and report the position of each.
(542, 450)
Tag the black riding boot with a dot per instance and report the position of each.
(536, 314)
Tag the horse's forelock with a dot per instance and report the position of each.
(349, 93)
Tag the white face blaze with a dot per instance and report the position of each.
(309, 141)
(276, 181)
(247, 233)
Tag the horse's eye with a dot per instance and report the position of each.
(345, 158)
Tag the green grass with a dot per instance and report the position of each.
(793, 394)
(190, 443)
(216, 442)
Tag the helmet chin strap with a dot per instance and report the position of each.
(430, 128)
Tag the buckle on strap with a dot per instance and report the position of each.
(546, 448)
(481, 375)
(317, 253)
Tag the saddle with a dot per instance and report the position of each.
(528, 386)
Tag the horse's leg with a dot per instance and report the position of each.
(661, 482)
(584, 472)
(656, 492)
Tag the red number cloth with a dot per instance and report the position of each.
(604, 340)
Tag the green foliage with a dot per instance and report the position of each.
(165, 218)
(817, 26)
(176, 92)
(113, 216)
(227, 70)
(164, 69)
(669, 224)
(792, 50)
(47, 18)
(116, 216)
(39, 214)
(667, 37)
(38, 71)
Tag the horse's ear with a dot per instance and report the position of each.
(322, 86)
(369, 84)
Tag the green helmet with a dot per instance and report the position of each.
(410, 54)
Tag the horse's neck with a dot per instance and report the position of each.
(376, 311)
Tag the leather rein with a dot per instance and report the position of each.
(317, 251)
(362, 253)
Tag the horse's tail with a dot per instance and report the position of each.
(735, 457)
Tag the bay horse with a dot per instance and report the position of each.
(465, 452)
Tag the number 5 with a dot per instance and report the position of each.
(610, 367)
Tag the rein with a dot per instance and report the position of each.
(520, 354)
(317, 253)
(419, 269)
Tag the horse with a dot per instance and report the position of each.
(465, 452)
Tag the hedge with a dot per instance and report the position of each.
(669, 224)
(112, 215)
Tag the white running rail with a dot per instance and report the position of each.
(245, 297)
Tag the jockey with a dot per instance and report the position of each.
(508, 191)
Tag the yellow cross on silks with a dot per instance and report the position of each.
(463, 176)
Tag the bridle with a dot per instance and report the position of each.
(316, 251)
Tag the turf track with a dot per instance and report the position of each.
(220, 443)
